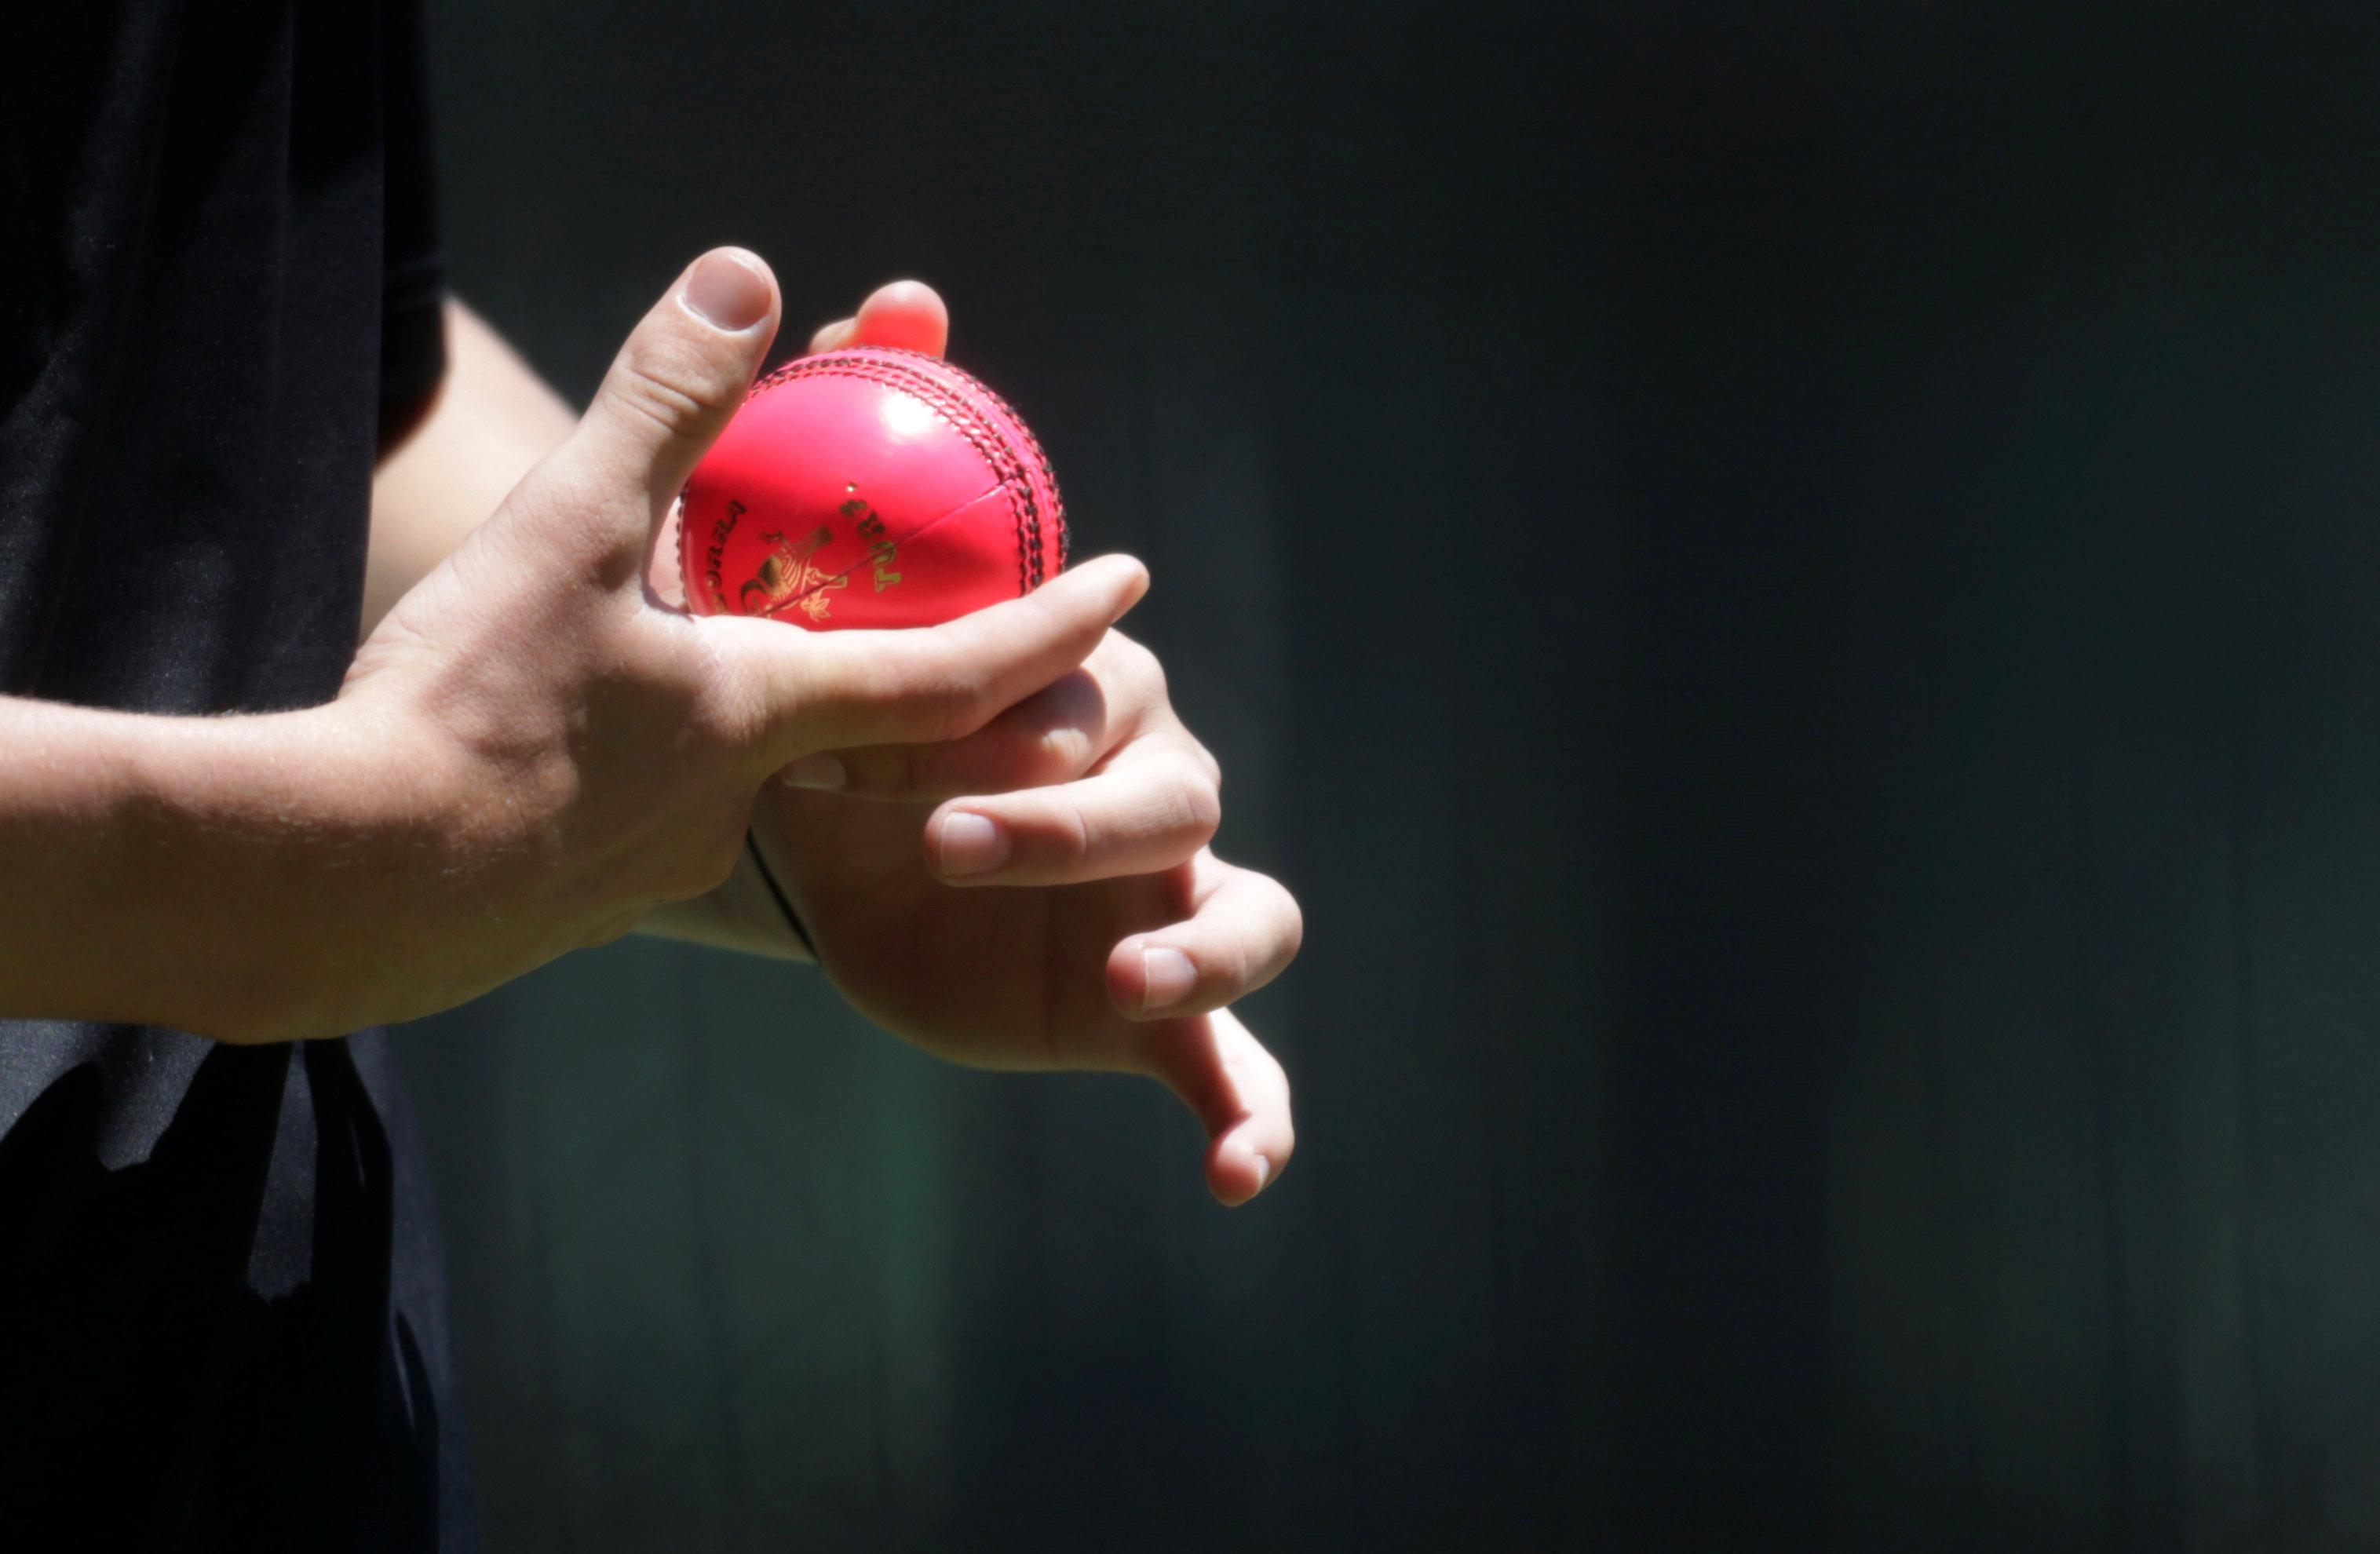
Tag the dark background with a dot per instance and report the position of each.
(1795, 586)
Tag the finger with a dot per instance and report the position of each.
(907, 315)
(1139, 818)
(835, 690)
(1238, 1092)
(1053, 735)
(1114, 705)
(1244, 928)
(675, 385)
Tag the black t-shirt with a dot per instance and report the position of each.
(222, 1320)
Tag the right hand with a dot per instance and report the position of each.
(553, 750)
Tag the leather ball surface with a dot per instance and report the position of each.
(870, 487)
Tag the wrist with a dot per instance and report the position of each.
(747, 913)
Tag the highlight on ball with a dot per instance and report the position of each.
(870, 487)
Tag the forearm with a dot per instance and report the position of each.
(231, 876)
(209, 874)
(493, 420)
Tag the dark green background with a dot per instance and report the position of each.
(1796, 586)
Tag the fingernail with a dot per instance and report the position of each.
(972, 843)
(1167, 977)
(820, 771)
(1264, 1172)
(727, 292)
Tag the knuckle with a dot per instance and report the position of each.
(675, 386)
(1289, 933)
(1138, 666)
(1208, 767)
(717, 721)
(1243, 969)
(642, 390)
(1074, 839)
(1201, 800)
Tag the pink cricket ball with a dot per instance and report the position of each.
(870, 487)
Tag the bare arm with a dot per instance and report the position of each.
(528, 755)
(1038, 895)
(493, 420)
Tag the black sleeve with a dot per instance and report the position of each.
(412, 330)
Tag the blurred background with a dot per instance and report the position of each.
(1794, 584)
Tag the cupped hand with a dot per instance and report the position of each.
(553, 749)
(1040, 892)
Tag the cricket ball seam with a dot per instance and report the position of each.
(885, 364)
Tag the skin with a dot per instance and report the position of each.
(528, 754)
(1037, 943)
(996, 829)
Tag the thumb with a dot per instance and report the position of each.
(676, 383)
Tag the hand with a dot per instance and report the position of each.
(563, 750)
(1068, 914)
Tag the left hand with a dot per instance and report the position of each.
(1041, 894)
